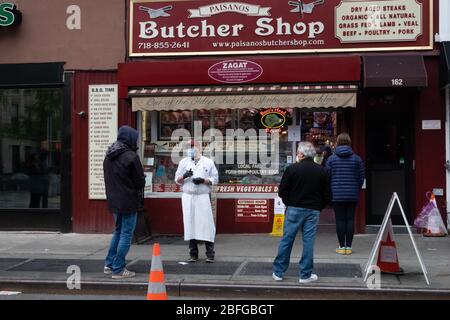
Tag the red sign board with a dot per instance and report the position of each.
(161, 187)
(246, 188)
(225, 188)
(252, 210)
(173, 28)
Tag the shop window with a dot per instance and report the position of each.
(245, 165)
(319, 128)
(30, 134)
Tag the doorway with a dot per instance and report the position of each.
(389, 164)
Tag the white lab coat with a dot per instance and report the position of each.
(196, 203)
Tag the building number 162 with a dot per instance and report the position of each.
(397, 82)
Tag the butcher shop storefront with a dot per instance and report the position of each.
(250, 80)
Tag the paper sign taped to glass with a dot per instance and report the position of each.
(279, 207)
(148, 183)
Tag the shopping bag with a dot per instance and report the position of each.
(430, 218)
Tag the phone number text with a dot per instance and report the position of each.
(163, 45)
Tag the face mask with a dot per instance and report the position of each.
(191, 153)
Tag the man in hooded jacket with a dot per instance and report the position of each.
(124, 180)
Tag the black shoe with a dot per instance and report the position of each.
(209, 260)
(193, 259)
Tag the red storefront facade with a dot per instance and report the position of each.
(396, 122)
(370, 68)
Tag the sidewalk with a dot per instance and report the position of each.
(243, 264)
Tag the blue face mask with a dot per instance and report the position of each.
(191, 153)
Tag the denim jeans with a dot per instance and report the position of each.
(297, 219)
(121, 241)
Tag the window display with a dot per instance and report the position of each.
(172, 120)
(255, 161)
(319, 128)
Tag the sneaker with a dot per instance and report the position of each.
(193, 259)
(125, 274)
(107, 270)
(340, 250)
(276, 278)
(312, 278)
(348, 250)
(209, 260)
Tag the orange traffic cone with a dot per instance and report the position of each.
(387, 255)
(156, 284)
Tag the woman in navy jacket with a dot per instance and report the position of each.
(347, 176)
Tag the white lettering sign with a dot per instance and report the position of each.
(431, 124)
(236, 7)
(380, 21)
(103, 111)
(264, 27)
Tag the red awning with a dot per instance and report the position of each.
(238, 90)
(395, 71)
(190, 72)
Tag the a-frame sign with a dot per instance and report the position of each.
(376, 245)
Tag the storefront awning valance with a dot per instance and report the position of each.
(394, 71)
(244, 97)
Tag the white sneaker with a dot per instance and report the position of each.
(276, 278)
(125, 274)
(107, 270)
(312, 278)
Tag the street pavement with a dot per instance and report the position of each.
(35, 262)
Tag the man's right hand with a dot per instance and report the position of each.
(188, 174)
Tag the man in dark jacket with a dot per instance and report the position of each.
(124, 180)
(304, 190)
(347, 177)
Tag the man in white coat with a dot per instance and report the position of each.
(197, 174)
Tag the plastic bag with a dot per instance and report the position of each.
(422, 219)
(430, 218)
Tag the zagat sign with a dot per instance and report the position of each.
(273, 119)
(9, 15)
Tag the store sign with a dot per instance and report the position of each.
(174, 28)
(103, 115)
(221, 188)
(247, 188)
(252, 210)
(376, 21)
(272, 119)
(166, 187)
(235, 71)
(306, 100)
(9, 15)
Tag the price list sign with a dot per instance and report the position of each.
(103, 113)
(250, 210)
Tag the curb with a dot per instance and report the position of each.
(220, 290)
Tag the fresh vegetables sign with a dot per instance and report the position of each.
(267, 26)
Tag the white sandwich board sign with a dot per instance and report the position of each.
(381, 232)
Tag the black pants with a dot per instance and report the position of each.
(193, 248)
(35, 200)
(345, 222)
